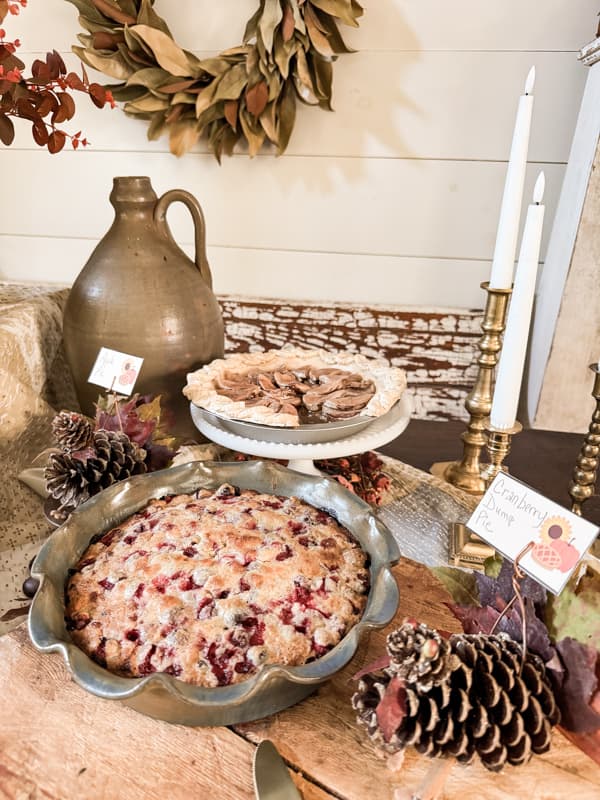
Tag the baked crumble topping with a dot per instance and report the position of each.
(209, 586)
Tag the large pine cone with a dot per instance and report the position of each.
(72, 431)
(482, 706)
(111, 457)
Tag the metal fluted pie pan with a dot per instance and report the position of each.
(164, 696)
(316, 433)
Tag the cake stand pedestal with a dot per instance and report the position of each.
(301, 457)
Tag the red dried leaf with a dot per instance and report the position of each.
(40, 133)
(103, 40)
(53, 61)
(61, 64)
(112, 12)
(73, 81)
(98, 94)
(7, 130)
(40, 70)
(380, 663)
(59, 114)
(287, 23)
(26, 109)
(392, 708)
(257, 98)
(48, 104)
(67, 102)
(231, 112)
(56, 141)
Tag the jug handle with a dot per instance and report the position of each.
(160, 217)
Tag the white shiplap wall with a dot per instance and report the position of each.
(394, 198)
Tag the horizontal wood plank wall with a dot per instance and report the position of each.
(436, 348)
(392, 199)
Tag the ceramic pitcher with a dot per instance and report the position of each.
(141, 295)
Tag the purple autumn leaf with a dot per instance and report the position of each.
(481, 619)
(475, 619)
(492, 588)
(578, 686)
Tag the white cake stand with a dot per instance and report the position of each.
(300, 457)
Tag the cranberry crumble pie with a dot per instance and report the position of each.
(209, 586)
(292, 386)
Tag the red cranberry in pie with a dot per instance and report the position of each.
(187, 587)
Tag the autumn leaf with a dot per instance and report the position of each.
(575, 612)
(391, 709)
(461, 584)
(578, 686)
(256, 98)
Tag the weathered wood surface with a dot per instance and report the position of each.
(565, 403)
(436, 347)
(56, 741)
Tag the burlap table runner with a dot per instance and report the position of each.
(35, 382)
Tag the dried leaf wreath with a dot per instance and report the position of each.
(246, 93)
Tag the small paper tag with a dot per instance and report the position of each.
(116, 371)
(511, 514)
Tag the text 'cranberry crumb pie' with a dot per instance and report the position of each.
(210, 586)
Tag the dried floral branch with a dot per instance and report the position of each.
(43, 98)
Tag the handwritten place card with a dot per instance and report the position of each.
(116, 371)
(511, 514)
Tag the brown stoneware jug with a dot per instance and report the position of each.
(140, 294)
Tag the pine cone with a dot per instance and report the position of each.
(480, 706)
(111, 457)
(72, 431)
(420, 656)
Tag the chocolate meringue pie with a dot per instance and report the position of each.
(293, 386)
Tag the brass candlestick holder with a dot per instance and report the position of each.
(466, 473)
(498, 447)
(583, 483)
(466, 548)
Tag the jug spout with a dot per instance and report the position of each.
(132, 190)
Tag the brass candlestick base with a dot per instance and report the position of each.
(466, 548)
(466, 473)
(583, 483)
(498, 447)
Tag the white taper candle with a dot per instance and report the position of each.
(510, 212)
(514, 347)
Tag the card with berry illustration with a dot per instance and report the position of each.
(116, 371)
(512, 515)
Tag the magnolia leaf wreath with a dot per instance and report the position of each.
(248, 92)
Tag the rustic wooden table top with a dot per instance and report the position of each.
(58, 742)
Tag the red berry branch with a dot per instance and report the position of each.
(44, 98)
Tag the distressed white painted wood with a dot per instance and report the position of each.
(417, 25)
(579, 325)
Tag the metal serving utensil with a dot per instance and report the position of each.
(272, 779)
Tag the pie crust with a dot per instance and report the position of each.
(212, 585)
(205, 386)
